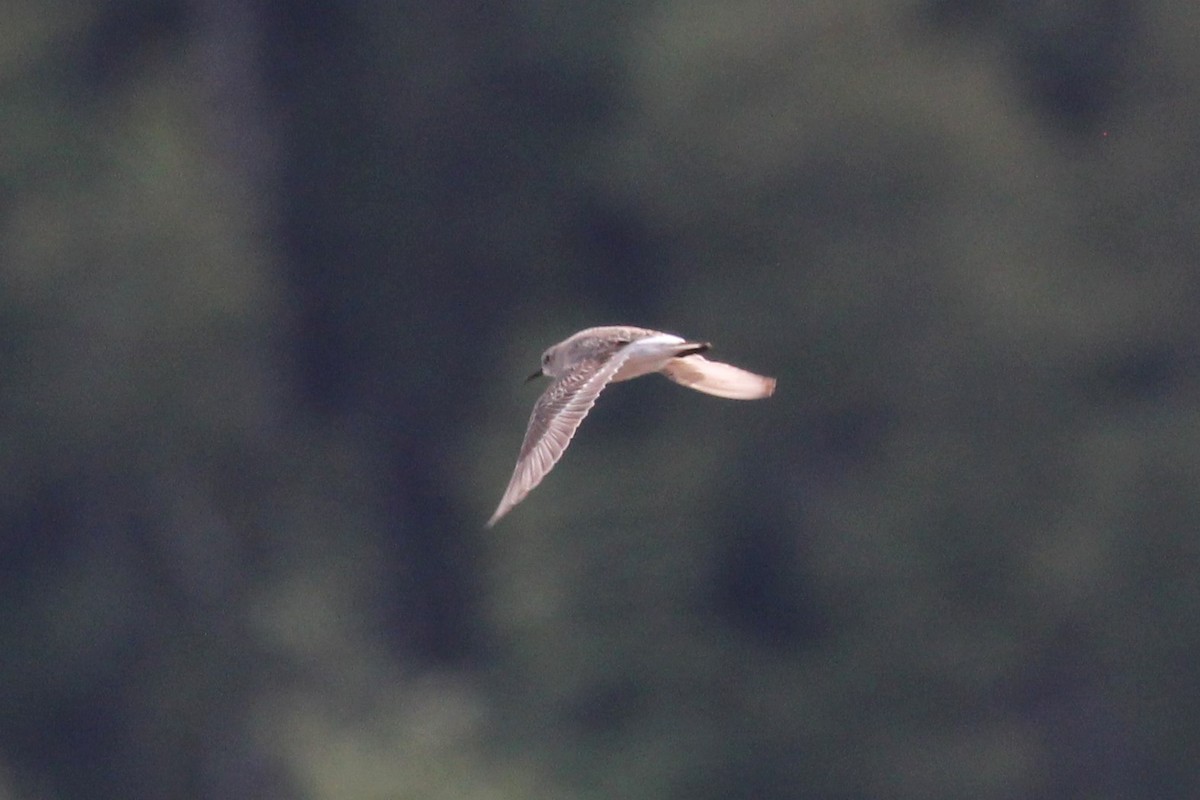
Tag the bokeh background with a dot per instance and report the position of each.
(270, 277)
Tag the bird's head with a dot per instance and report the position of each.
(552, 365)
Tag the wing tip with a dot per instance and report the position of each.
(506, 505)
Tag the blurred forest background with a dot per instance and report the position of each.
(271, 274)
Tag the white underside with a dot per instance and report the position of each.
(648, 355)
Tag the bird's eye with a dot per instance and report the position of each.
(545, 359)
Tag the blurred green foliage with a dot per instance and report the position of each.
(270, 275)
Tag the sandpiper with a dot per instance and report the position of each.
(583, 364)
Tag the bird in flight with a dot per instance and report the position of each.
(583, 364)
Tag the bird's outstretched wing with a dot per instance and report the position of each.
(556, 417)
(717, 378)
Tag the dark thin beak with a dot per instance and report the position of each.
(537, 374)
